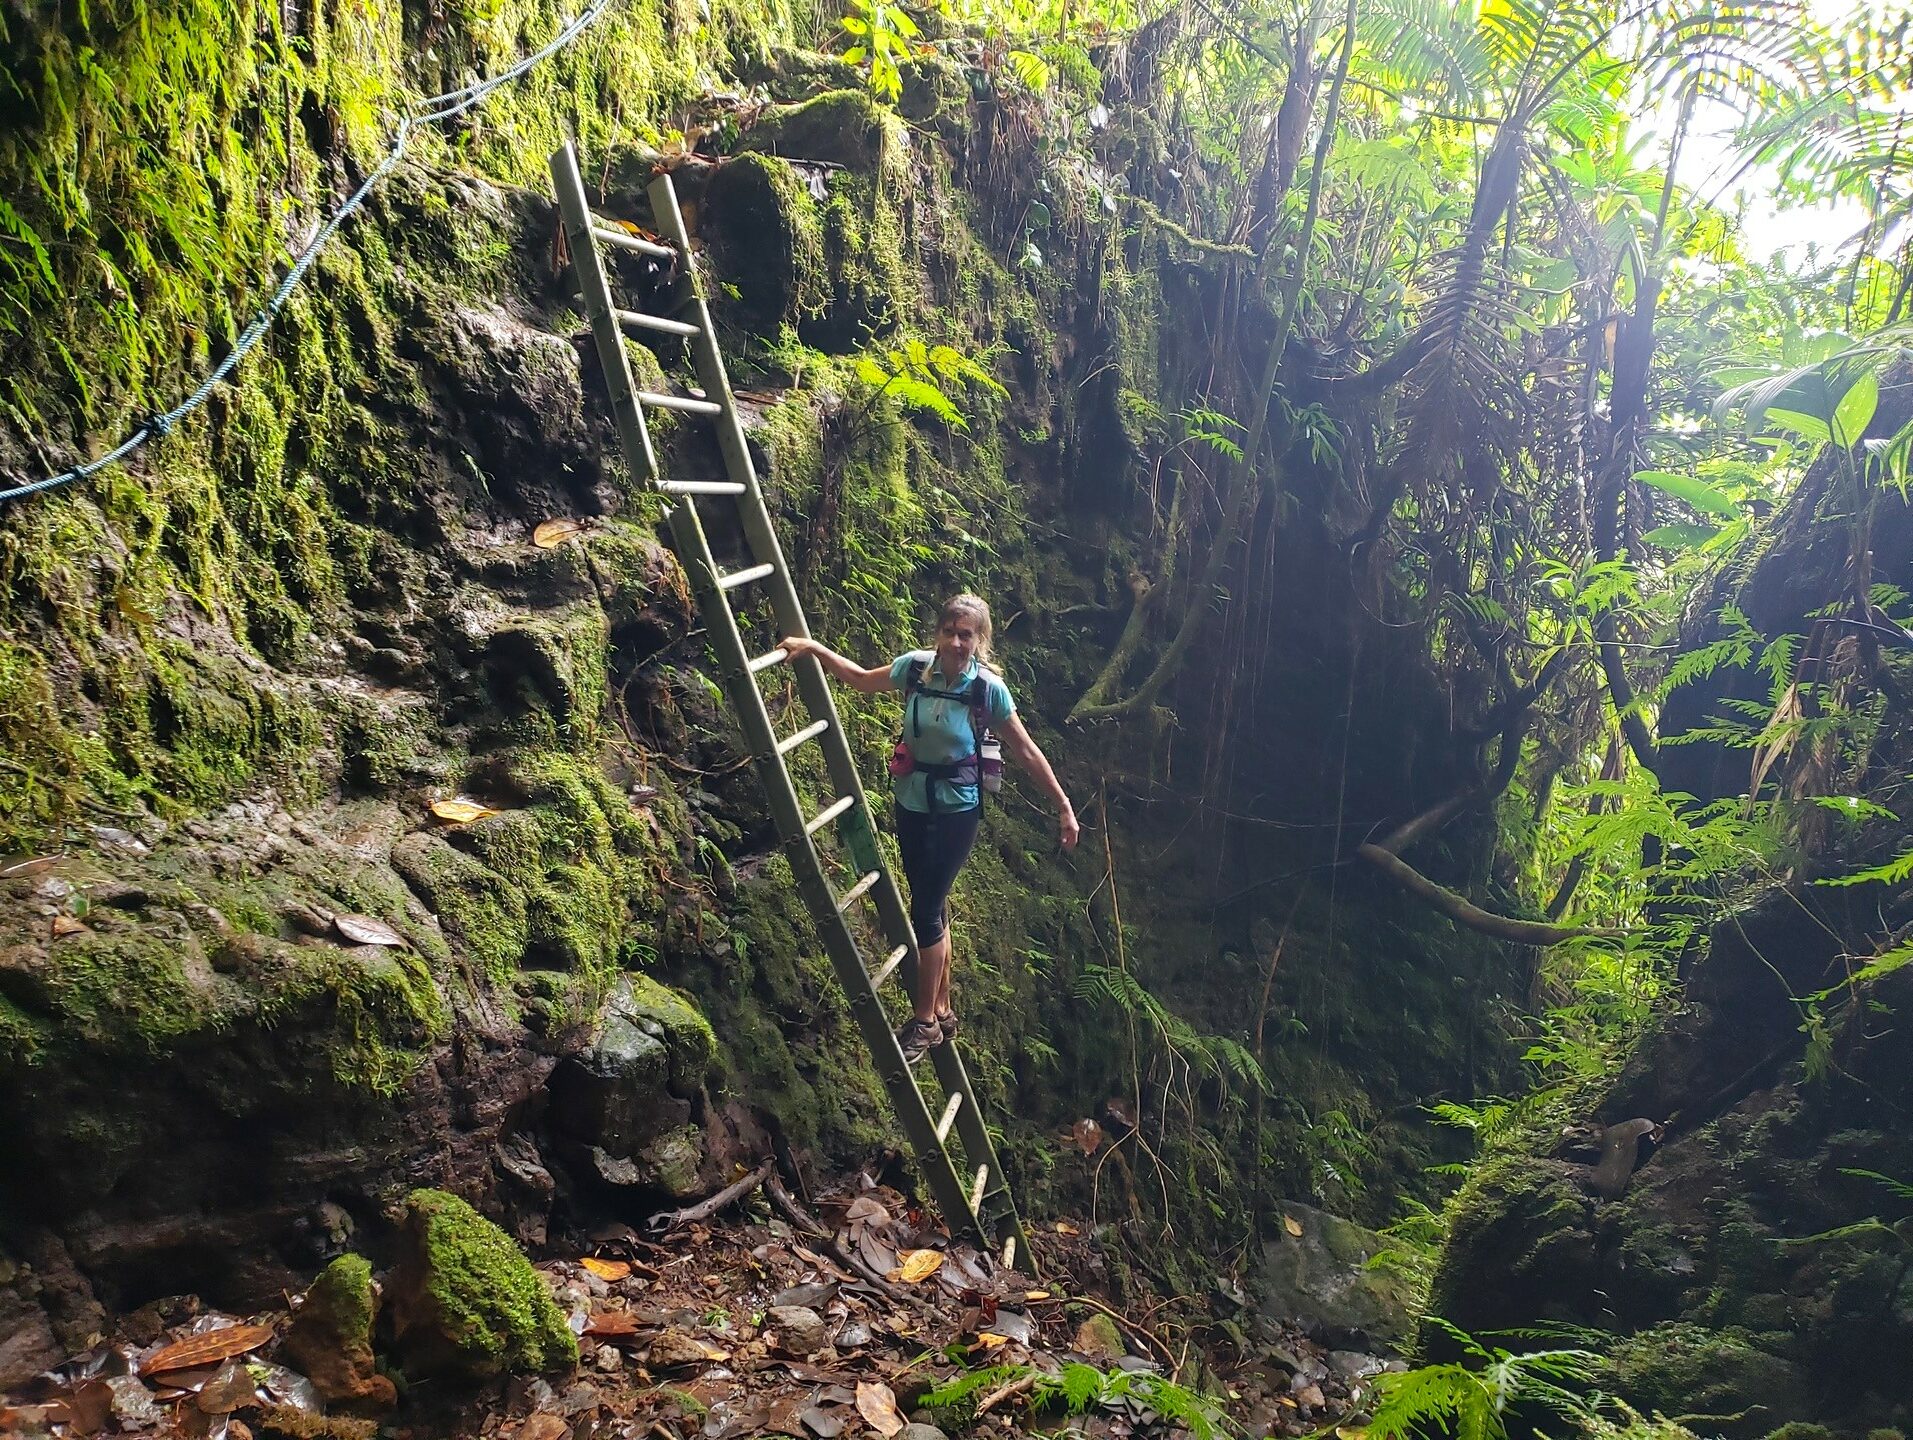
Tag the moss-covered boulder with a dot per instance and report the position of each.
(762, 219)
(1521, 1243)
(330, 1341)
(839, 127)
(1741, 1387)
(626, 1100)
(465, 1303)
(1316, 1271)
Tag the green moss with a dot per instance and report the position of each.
(343, 1296)
(689, 1041)
(1679, 1368)
(470, 1301)
(481, 910)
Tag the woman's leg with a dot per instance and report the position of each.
(933, 977)
(933, 848)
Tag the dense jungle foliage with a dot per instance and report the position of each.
(1434, 531)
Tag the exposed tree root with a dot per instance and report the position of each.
(1464, 912)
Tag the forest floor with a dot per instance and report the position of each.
(761, 1320)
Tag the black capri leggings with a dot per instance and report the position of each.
(934, 848)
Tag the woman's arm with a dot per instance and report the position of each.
(1024, 751)
(872, 682)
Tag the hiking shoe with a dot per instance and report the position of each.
(948, 1023)
(917, 1038)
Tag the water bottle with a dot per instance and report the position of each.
(990, 770)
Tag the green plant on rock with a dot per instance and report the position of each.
(1078, 1389)
(919, 377)
(885, 36)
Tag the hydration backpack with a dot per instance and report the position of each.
(982, 767)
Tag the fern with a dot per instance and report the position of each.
(1472, 1401)
(1895, 871)
(957, 1390)
(919, 376)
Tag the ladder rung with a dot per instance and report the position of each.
(686, 403)
(859, 890)
(1009, 1253)
(954, 1104)
(768, 659)
(744, 577)
(837, 808)
(809, 732)
(976, 1188)
(632, 242)
(889, 966)
(638, 320)
(701, 487)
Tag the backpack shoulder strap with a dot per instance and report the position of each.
(980, 707)
(913, 679)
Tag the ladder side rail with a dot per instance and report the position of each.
(998, 1210)
(812, 881)
(856, 828)
(595, 293)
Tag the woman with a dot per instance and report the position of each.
(938, 796)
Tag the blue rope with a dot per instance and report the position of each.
(429, 110)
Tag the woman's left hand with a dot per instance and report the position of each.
(1067, 827)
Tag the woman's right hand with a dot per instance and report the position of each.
(799, 645)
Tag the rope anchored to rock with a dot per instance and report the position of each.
(429, 110)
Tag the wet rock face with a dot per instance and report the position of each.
(1320, 1279)
(623, 1107)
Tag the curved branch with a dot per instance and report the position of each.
(1462, 912)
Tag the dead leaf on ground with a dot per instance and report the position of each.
(877, 1403)
(990, 1340)
(1036, 1295)
(553, 533)
(878, 1256)
(461, 811)
(918, 1265)
(611, 1324)
(1087, 1134)
(543, 1426)
(606, 1269)
(1063, 1227)
(67, 925)
(1292, 1225)
(364, 930)
(207, 1349)
(824, 1424)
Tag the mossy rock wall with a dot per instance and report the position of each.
(240, 670)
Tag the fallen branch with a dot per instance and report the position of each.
(1462, 912)
(780, 1198)
(705, 1209)
(1014, 1388)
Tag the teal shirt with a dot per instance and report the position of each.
(938, 732)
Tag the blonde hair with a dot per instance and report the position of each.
(977, 610)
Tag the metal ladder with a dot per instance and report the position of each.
(981, 1204)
